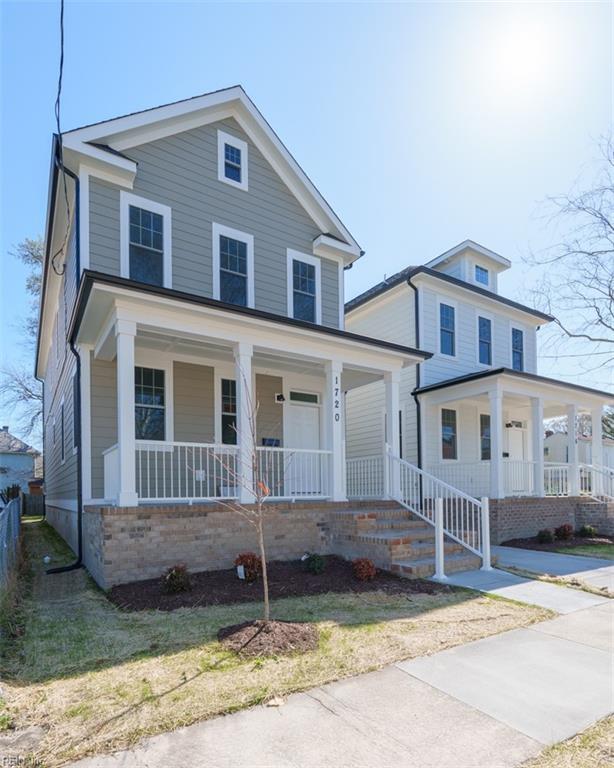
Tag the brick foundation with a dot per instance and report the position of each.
(599, 515)
(518, 518)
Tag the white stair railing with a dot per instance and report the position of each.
(596, 481)
(459, 516)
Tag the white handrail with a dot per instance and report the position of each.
(596, 481)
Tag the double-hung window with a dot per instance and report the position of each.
(447, 330)
(304, 275)
(150, 404)
(517, 349)
(481, 275)
(231, 160)
(145, 247)
(448, 434)
(485, 437)
(229, 412)
(233, 271)
(485, 341)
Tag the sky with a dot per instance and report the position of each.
(423, 124)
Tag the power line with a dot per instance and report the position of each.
(60, 270)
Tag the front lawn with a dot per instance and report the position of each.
(98, 678)
(605, 551)
(593, 748)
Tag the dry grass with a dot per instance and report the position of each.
(593, 748)
(98, 679)
(562, 581)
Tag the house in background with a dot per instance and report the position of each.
(18, 461)
(473, 414)
(556, 449)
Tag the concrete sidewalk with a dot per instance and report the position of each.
(489, 704)
(595, 571)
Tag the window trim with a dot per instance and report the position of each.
(485, 316)
(480, 414)
(441, 410)
(477, 266)
(524, 348)
(224, 138)
(291, 256)
(126, 199)
(220, 230)
(454, 305)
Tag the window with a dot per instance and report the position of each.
(150, 404)
(447, 342)
(485, 437)
(233, 266)
(304, 280)
(229, 412)
(231, 160)
(233, 271)
(62, 434)
(76, 414)
(481, 275)
(304, 397)
(517, 349)
(448, 434)
(145, 246)
(485, 341)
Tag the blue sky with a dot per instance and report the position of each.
(423, 124)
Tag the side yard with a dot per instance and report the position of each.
(87, 676)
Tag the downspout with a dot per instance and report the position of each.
(78, 563)
(414, 395)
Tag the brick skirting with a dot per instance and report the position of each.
(521, 517)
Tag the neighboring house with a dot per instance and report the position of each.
(202, 273)
(473, 413)
(17, 461)
(556, 449)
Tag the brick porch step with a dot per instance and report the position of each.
(425, 567)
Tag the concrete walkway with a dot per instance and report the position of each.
(595, 571)
(488, 704)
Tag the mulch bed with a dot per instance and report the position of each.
(286, 579)
(263, 638)
(575, 541)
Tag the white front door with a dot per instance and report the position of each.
(519, 477)
(302, 431)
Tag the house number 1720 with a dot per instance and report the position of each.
(337, 400)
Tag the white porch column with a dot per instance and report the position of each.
(597, 448)
(125, 331)
(572, 450)
(495, 397)
(537, 428)
(392, 380)
(246, 426)
(333, 415)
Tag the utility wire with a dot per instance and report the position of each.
(59, 270)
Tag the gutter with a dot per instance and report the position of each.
(414, 395)
(78, 563)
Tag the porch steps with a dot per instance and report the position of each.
(397, 540)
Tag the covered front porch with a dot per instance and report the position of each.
(186, 404)
(484, 434)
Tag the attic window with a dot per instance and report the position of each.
(481, 275)
(231, 160)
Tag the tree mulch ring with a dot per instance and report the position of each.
(286, 579)
(266, 638)
(553, 546)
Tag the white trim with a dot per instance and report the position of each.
(84, 217)
(291, 256)
(469, 245)
(331, 248)
(341, 289)
(86, 423)
(218, 230)
(126, 199)
(224, 138)
(449, 303)
(440, 409)
(479, 314)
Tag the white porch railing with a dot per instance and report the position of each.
(518, 477)
(596, 481)
(471, 477)
(111, 472)
(365, 477)
(295, 472)
(556, 479)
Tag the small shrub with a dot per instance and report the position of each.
(563, 532)
(587, 531)
(315, 564)
(176, 579)
(251, 563)
(545, 536)
(364, 569)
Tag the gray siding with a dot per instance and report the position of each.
(193, 394)
(181, 171)
(104, 418)
(269, 421)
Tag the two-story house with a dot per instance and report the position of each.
(473, 414)
(193, 314)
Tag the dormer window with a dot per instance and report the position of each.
(481, 275)
(231, 160)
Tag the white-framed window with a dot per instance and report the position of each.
(149, 403)
(232, 160)
(484, 340)
(449, 435)
(304, 398)
(228, 411)
(145, 240)
(233, 266)
(482, 275)
(485, 437)
(304, 286)
(517, 349)
(447, 329)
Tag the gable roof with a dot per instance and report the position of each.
(11, 444)
(473, 246)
